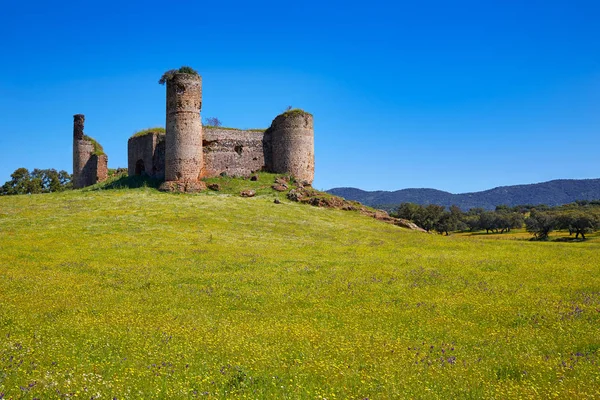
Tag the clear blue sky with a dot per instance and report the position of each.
(454, 95)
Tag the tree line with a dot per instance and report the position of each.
(22, 181)
(579, 218)
(37, 181)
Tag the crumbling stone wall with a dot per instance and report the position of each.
(183, 147)
(82, 163)
(100, 164)
(190, 152)
(88, 168)
(293, 147)
(78, 125)
(148, 149)
(234, 152)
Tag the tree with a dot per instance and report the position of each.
(18, 183)
(540, 224)
(446, 223)
(502, 208)
(471, 218)
(458, 217)
(488, 221)
(428, 216)
(408, 211)
(38, 181)
(472, 222)
(450, 221)
(505, 220)
(578, 222)
(212, 121)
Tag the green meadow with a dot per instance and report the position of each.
(133, 293)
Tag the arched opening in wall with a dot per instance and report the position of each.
(139, 167)
(238, 149)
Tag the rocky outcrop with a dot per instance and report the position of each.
(321, 199)
(182, 187)
(248, 193)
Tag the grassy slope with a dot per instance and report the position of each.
(135, 293)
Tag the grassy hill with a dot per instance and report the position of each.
(134, 293)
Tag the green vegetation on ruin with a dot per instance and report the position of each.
(148, 131)
(98, 150)
(135, 293)
(227, 128)
(167, 76)
(295, 111)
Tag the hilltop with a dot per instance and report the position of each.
(551, 193)
(135, 293)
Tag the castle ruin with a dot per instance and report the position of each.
(186, 151)
(90, 164)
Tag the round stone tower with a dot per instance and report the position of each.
(82, 152)
(183, 141)
(294, 145)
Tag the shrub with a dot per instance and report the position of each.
(170, 74)
(98, 150)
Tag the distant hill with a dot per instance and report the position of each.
(552, 193)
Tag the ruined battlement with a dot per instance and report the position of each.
(146, 154)
(90, 164)
(235, 152)
(293, 144)
(78, 124)
(185, 152)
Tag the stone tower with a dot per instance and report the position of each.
(293, 145)
(82, 151)
(183, 142)
(90, 164)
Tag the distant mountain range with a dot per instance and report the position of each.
(552, 193)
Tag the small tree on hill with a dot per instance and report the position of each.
(428, 216)
(408, 211)
(578, 222)
(213, 121)
(540, 224)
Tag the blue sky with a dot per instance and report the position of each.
(458, 96)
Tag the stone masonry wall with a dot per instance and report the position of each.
(78, 124)
(82, 163)
(234, 152)
(188, 154)
(101, 166)
(184, 128)
(150, 149)
(293, 145)
(286, 147)
(88, 168)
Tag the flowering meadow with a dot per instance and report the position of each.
(120, 294)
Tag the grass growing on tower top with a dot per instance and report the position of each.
(170, 74)
(148, 131)
(234, 129)
(295, 111)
